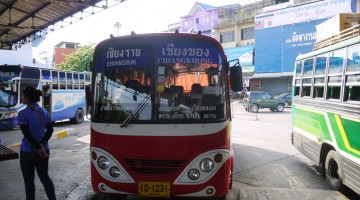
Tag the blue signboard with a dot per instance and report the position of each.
(276, 48)
(187, 52)
(116, 57)
(283, 34)
(243, 53)
(167, 52)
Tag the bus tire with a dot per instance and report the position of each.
(333, 170)
(79, 117)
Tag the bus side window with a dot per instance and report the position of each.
(62, 80)
(298, 77)
(76, 81)
(82, 81)
(354, 93)
(55, 80)
(69, 81)
(352, 81)
(306, 87)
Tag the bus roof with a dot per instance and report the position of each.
(333, 47)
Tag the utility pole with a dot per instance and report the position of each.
(117, 25)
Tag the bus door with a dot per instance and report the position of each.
(89, 101)
(47, 94)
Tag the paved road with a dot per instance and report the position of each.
(267, 165)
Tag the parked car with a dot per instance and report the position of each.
(286, 97)
(254, 100)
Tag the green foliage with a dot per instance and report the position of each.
(79, 60)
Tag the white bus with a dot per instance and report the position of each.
(64, 92)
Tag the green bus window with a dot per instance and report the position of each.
(336, 61)
(319, 76)
(334, 87)
(352, 88)
(306, 88)
(320, 65)
(318, 87)
(297, 87)
(353, 92)
(298, 69)
(353, 59)
(333, 92)
(308, 67)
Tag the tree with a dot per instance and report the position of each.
(79, 60)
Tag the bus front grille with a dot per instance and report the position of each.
(159, 167)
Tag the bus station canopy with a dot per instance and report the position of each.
(22, 21)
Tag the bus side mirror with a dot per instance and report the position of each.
(236, 83)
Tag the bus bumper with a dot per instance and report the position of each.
(217, 186)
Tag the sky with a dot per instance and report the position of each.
(141, 16)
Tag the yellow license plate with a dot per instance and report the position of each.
(154, 189)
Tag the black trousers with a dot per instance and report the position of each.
(28, 163)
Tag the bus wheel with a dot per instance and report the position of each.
(79, 116)
(332, 170)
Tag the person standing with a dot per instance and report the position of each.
(36, 126)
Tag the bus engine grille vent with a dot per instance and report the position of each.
(160, 167)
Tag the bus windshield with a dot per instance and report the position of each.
(185, 83)
(7, 96)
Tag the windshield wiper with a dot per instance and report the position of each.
(138, 110)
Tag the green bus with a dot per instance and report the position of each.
(326, 111)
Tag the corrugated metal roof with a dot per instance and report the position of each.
(205, 6)
(23, 21)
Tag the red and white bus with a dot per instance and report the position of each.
(161, 119)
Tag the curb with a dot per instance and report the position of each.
(83, 191)
(55, 135)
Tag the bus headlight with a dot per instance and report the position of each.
(10, 115)
(203, 167)
(114, 172)
(103, 162)
(193, 174)
(206, 165)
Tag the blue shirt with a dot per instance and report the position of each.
(36, 126)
